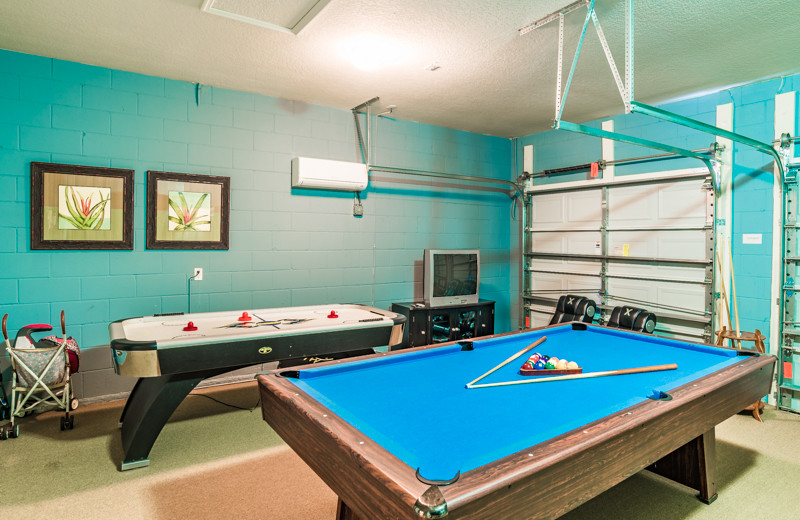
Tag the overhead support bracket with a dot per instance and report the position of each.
(704, 127)
(365, 104)
(610, 58)
(553, 16)
(597, 132)
(625, 89)
(561, 100)
(362, 147)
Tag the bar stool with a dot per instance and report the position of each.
(758, 339)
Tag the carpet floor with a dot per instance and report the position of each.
(216, 461)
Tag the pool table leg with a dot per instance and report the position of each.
(693, 465)
(343, 512)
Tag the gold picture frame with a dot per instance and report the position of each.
(186, 211)
(81, 207)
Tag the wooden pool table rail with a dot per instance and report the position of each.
(674, 438)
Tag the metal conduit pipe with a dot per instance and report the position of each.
(454, 176)
(710, 151)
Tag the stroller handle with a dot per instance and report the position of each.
(63, 324)
(27, 330)
(5, 331)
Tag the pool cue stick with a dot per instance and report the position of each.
(509, 360)
(733, 297)
(587, 375)
(724, 294)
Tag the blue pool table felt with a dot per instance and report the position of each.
(417, 407)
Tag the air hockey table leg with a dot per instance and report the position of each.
(149, 406)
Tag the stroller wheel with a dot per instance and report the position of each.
(3, 433)
(73, 404)
(63, 423)
(14, 433)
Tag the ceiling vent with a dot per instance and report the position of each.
(287, 16)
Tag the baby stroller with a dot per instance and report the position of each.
(40, 376)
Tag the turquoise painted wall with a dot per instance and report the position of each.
(753, 177)
(288, 247)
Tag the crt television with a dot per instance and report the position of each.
(451, 276)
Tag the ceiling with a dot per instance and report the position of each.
(489, 79)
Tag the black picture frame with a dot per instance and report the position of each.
(187, 211)
(81, 207)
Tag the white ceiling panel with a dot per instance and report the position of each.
(489, 79)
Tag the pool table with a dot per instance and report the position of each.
(399, 435)
(172, 353)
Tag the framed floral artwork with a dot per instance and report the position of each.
(81, 207)
(186, 211)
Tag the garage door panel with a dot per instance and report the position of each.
(563, 284)
(584, 243)
(691, 297)
(539, 316)
(563, 212)
(630, 205)
(666, 272)
(658, 244)
(585, 208)
(682, 202)
(668, 295)
(548, 211)
(658, 205)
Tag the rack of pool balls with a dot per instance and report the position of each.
(542, 364)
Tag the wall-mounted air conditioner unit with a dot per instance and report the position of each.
(328, 175)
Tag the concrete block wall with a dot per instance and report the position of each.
(288, 247)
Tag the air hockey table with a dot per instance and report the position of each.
(172, 353)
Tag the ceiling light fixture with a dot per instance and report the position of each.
(371, 52)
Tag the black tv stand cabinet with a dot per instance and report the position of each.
(428, 325)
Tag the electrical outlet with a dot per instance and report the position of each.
(198, 274)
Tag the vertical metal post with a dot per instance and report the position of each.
(527, 209)
(560, 64)
(369, 134)
(575, 58)
(711, 233)
(628, 55)
(788, 294)
(604, 245)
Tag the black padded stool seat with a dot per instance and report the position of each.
(574, 308)
(632, 318)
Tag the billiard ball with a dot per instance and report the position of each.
(527, 366)
(539, 365)
(549, 366)
(572, 364)
(534, 358)
(553, 361)
(544, 357)
(562, 364)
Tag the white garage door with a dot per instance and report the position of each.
(644, 240)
